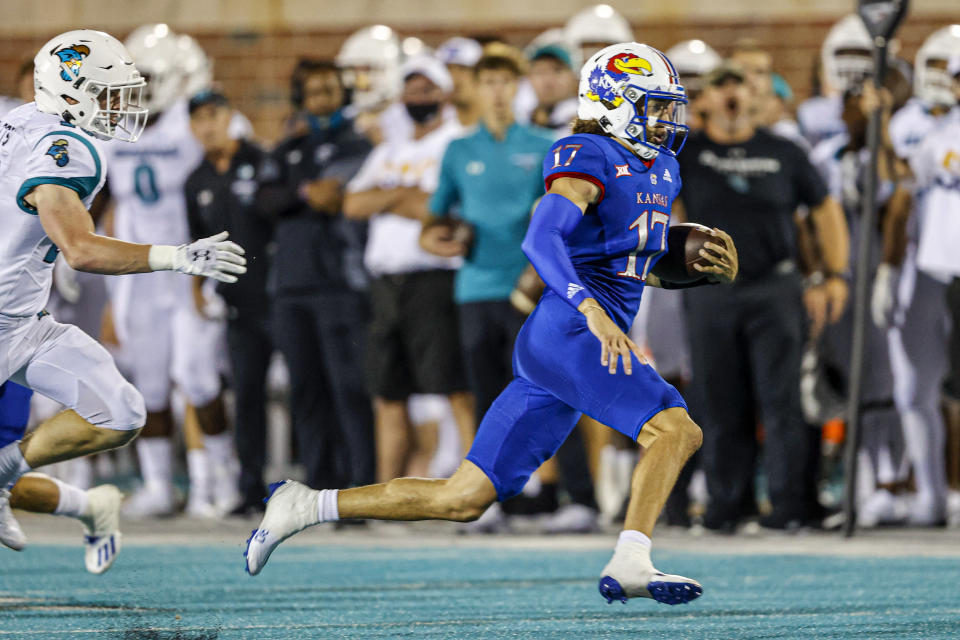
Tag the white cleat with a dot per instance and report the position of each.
(102, 528)
(630, 574)
(150, 502)
(291, 508)
(11, 535)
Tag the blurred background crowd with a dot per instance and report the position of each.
(381, 182)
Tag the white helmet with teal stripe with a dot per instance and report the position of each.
(88, 79)
(634, 93)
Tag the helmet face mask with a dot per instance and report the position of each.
(119, 114)
(88, 79)
(659, 122)
(634, 93)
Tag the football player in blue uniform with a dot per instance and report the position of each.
(593, 238)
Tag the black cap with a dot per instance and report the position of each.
(726, 70)
(205, 97)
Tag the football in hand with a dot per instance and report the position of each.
(684, 242)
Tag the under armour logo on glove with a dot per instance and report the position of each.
(214, 257)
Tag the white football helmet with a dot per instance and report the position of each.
(195, 66)
(693, 59)
(847, 54)
(370, 60)
(154, 49)
(95, 70)
(633, 91)
(934, 85)
(597, 25)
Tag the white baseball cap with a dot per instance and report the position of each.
(459, 50)
(430, 68)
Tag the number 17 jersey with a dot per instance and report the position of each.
(624, 233)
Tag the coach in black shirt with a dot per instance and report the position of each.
(319, 284)
(221, 194)
(746, 340)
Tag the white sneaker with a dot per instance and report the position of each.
(11, 535)
(630, 574)
(953, 508)
(927, 511)
(571, 518)
(882, 507)
(150, 502)
(291, 508)
(102, 528)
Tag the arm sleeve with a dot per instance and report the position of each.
(554, 219)
(447, 193)
(809, 186)
(65, 158)
(576, 157)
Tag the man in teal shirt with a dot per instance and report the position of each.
(490, 179)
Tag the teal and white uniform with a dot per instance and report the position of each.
(60, 361)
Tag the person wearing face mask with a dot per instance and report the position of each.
(751, 182)
(317, 282)
(414, 345)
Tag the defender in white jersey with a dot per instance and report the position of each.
(164, 339)
(51, 167)
(909, 298)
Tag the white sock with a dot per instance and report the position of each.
(327, 509)
(219, 449)
(198, 469)
(632, 536)
(73, 501)
(156, 462)
(12, 464)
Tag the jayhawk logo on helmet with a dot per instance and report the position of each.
(605, 80)
(71, 59)
(58, 150)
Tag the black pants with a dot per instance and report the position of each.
(487, 333)
(250, 345)
(746, 342)
(952, 383)
(322, 338)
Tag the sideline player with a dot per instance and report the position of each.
(87, 90)
(911, 301)
(593, 239)
(163, 337)
(97, 509)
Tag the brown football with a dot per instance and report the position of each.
(684, 242)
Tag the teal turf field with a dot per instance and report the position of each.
(166, 593)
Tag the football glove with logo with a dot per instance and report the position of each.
(214, 257)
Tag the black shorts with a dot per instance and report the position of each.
(414, 344)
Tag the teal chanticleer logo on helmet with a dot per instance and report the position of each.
(71, 59)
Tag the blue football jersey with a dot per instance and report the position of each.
(622, 236)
